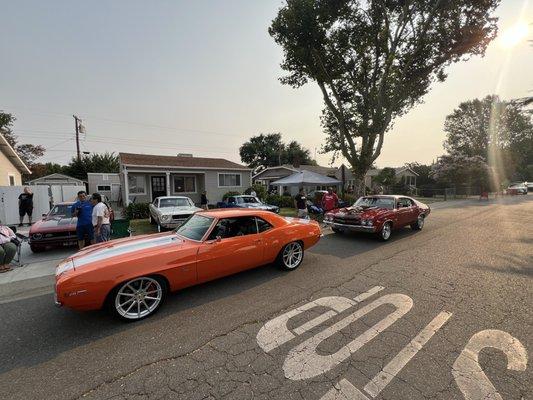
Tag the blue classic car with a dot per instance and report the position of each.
(246, 201)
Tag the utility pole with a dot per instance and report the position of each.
(77, 121)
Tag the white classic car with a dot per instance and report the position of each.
(169, 212)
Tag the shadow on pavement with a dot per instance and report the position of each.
(34, 330)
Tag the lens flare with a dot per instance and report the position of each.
(514, 35)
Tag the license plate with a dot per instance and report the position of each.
(67, 244)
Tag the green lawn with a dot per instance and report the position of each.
(287, 212)
(142, 227)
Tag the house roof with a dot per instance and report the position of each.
(317, 169)
(12, 156)
(55, 176)
(148, 160)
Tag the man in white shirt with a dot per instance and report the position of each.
(101, 222)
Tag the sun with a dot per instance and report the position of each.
(514, 35)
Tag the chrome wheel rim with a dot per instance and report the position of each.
(138, 298)
(292, 255)
(420, 221)
(385, 232)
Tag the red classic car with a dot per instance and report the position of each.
(57, 228)
(379, 215)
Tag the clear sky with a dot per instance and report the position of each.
(168, 77)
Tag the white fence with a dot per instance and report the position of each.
(62, 193)
(9, 203)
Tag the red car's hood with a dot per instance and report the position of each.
(54, 224)
(135, 245)
(360, 212)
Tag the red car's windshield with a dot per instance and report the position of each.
(61, 210)
(380, 202)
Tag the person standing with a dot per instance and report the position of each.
(83, 210)
(100, 219)
(204, 203)
(300, 202)
(330, 200)
(7, 248)
(25, 205)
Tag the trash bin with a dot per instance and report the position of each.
(120, 228)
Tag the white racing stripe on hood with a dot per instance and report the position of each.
(123, 248)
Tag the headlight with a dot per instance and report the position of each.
(165, 218)
(64, 266)
(328, 217)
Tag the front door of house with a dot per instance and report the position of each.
(159, 186)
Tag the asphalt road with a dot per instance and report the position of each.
(448, 316)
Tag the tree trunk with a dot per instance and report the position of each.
(359, 183)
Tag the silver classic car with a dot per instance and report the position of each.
(169, 212)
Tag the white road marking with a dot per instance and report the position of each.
(372, 291)
(304, 362)
(469, 375)
(383, 378)
(275, 332)
(344, 390)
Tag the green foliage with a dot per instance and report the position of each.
(386, 177)
(424, 174)
(268, 150)
(94, 162)
(280, 201)
(230, 193)
(137, 211)
(374, 60)
(259, 189)
(29, 153)
(458, 169)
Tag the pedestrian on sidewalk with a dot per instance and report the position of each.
(300, 202)
(25, 205)
(83, 210)
(204, 203)
(7, 248)
(100, 219)
(330, 200)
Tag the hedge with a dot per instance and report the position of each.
(137, 211)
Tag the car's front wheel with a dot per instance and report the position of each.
(36, 249)
(291, 256)
(386, 231)
(336, 230)
(419, 224)
(152, 220)
(138, 298)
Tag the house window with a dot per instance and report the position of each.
(11, 180)
(184, 184)
(229, 180)
(103, 188)
(105, 177)
(137, 184)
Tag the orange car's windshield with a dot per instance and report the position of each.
(195, 227)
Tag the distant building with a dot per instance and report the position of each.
(57, 179)
(107, 184)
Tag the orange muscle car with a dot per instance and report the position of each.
(132, 276)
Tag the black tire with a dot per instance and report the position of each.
(419, 224)
(286, 261)
(151, 284)
(386, 232)
(36, 249)
(152, 221)
(336, 230)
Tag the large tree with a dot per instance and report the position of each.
(268, 150)
(29, 153)
(459, 169)
(498, 131)
(374, 60)
(94, 162)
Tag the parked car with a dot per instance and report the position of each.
(169, 212)
(517, 188)
(247, 201)
(132, 276)
(379, 215)
(57, 228)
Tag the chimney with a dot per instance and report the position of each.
(185, 155)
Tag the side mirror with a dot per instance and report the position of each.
(44, 215)
(216, 240)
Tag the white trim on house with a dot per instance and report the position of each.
(229, 186)
(9, 176)
(13, 158)
(174, 176)
(277, 167)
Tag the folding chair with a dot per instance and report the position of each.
(17, 260)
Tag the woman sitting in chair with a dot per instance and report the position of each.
(7, 248)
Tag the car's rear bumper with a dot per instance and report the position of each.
(67, 241)
(348, 227)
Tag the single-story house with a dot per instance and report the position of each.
(145, 177)
(107, 184)
(57, 179)
(404, 176)
(271, 174)
(11, 165)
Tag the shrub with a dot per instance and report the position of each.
(259, 189)
(230, 193)
(137, 211)
(280, 201)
